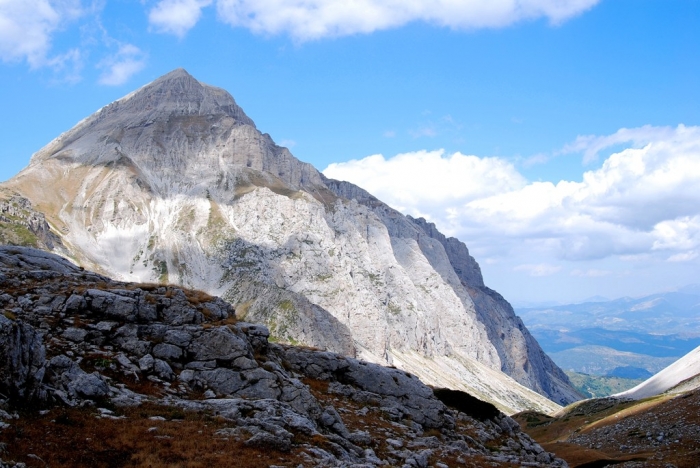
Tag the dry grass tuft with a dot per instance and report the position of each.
(9, 315)
(196, 297)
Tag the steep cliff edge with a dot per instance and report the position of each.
(174, 184)
(519, 354)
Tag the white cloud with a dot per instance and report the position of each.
(176, 16)
(27, 28)
(313, 19)
(590, 273)
(684, 256)
(592, 145)
(541, 269)
(643, 201)
(428, 182)
(119, 67)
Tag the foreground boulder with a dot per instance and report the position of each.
(70, 338)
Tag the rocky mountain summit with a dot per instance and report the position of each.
(82, 355)
(175, 184)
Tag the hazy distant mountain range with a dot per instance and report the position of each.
(627, 337)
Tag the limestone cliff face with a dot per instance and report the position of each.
(173, 183)
(520, 354)
(516, 351)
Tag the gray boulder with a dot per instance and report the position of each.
(22, 360)
(219, 343)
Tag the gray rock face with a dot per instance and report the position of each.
(521, 356)
(192, 193)
(22, 366)
(172, 133)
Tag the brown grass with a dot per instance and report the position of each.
(144, 286)
(77, 437)
(196, 297)
(10, 315)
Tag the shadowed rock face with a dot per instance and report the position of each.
(173, 183)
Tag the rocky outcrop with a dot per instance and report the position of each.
(72, 337)
(20, 224)
(174, 184)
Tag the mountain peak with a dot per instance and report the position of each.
(178, 72)
(179, 93)
(178, 78)
(177, 135)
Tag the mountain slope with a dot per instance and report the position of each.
(656, 433)
(173, 183)
(684, 369)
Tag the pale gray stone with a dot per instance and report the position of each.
(146, 363)
(76, 335)
(163, 370)
(218, 343)
(166, 351)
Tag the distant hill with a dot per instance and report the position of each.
(603, 360)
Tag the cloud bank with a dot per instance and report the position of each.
(642, 201)
(306, 20)
(27, 28)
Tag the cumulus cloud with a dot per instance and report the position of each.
(642, 201)
(122, 65)
(425, 182)
(313, 19)
(176, 16)
(27, 28)
(306, 20)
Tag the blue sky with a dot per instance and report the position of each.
(487, 114)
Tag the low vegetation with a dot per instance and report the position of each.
(149, 435)
(596, 386)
